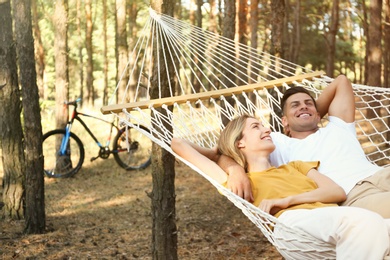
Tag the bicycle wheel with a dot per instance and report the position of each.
(132, 150)
(59, 165)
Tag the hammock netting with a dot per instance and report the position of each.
(210, 79)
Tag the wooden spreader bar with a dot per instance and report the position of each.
(117, 108)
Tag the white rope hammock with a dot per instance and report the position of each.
(208, 71)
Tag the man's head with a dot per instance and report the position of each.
(294, 90)
(299, 112)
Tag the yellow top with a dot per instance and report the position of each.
(286, 180)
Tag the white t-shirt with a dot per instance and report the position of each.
(336, 147)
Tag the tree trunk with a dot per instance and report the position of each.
(164, 233)
(366, 32)
(105, 57)
(375, 51)
(331, 39)
(39, 52)
(122, 76)
(199, 57)
(88, 43)
(35, 195)
(278, 14)
(132, 39)
(213, 23)
(61, 61)
(253, 25)
(192, 20)
(228, 31)
(241, 32)
(10, 125)
(213, 27)
(296, 33)
(375, 48)
(386, 52)
(80, 50)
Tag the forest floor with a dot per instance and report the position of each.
(104, 212)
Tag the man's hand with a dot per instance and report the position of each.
(239, 183)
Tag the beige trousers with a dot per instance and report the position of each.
(372, 193)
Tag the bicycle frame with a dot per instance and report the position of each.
(76, 116)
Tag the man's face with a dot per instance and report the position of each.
(300, 113)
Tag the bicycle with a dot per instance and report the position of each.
(64, 151)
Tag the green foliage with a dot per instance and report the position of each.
(314, 21)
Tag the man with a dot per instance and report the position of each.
(335, 146)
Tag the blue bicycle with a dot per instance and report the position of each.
(64, 152)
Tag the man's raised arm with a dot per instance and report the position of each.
(338, 100)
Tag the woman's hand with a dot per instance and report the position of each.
(273, 206)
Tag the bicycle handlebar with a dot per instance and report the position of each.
(72, 103)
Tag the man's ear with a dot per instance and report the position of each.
(284, 121)
(319, 117)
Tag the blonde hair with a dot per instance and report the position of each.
(229, 138)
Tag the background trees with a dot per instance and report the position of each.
(332, 35)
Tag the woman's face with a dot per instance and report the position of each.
(256, 137)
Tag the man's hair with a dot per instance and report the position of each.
(292, 91)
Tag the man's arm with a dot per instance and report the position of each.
(237, 181)
(338, 100)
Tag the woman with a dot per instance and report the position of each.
(296, 193)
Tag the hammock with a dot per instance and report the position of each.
(210, 79)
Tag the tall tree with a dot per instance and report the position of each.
(39, 51)
(213, 23)
(242, 38)
(331, 38)
(199, 57)
(253, 32)
(193, 19)
(132, 40)
(88, 43)
(366, 30)
(296, 33)
(164, 233)
(121, 49)
(278, 15)
(80, 47)
(10, 125)
(105, 51)
(61, 61)
(253, 25)
(375, 48)
(228, 31)
(386, 30)
(35, 196)
(386, 52)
